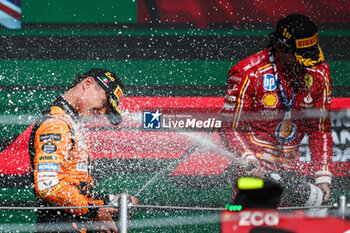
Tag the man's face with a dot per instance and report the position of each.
(93, 101)
(288, 61)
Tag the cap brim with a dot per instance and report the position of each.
(114, 118)
(310, 57)
(114, 115)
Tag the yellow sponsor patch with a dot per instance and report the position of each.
(51, 190)
(115, 106)
(309, 80)
(307, 42)
(109, 75)
(286, 34)
(48, 158)
(270, 100)
(119, 93)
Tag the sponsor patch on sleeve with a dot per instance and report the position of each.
(235, 78)
(49, 147)
(50, 137)
(109, 75)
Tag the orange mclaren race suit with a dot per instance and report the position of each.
(60, 158)
(254, 115)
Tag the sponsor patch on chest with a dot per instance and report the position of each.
(269, 113)
(309, 80)
(269, 82)
(42, 185)
(307, 101)
(82, 167)
(46, 175)
(53, 158)
(270, 100)
(48, 167)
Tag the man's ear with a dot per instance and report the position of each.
(88, 83)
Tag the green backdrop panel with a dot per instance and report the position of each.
(136, 72)
(79, 11)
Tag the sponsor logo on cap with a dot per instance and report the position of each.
(102, 81)
(118, 93)
(109, 75)
(270, 100)
(105, 80)
(307, 42)
(286, 34)
(114, 105)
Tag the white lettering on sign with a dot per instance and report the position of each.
(344, 136)
(258, 218)
(340, 118)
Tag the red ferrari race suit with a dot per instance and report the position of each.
(60, 158)
(254, 114)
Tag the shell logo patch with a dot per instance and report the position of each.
(270, 100)
(309, 80)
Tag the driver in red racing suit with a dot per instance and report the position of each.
(264, 124)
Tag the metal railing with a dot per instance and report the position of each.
(124, 206)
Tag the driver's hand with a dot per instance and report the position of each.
(253, 168)
(132, 199)
(325, 187)
(104, 222)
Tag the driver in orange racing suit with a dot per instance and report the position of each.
(61, 156)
